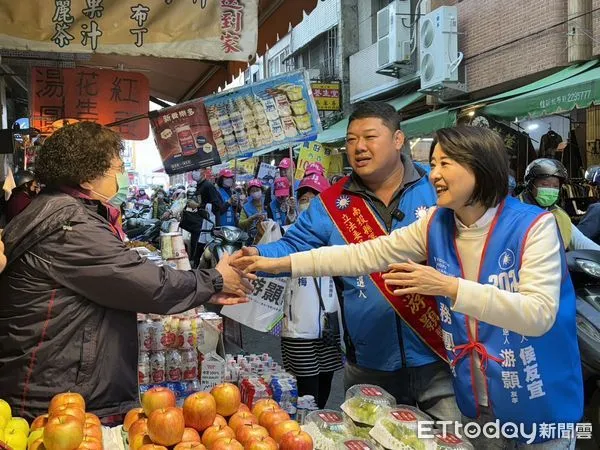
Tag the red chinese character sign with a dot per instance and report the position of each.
(184, 138)
(102, 96)
(192, 29)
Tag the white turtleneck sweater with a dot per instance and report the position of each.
(530, 312)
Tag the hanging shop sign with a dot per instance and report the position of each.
(183, 137)
(97, 95)
(327, 95)
(192, 29)
(273, 113)
(311, 152)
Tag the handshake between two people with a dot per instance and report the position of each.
(402, 278)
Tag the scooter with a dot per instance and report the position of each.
(584, 267)
(226, 239)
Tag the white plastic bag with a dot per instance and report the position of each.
(265, 309)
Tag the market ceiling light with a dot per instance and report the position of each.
(533, 126)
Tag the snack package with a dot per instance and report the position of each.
(449, 442)
(365, 403)
(397, 430)
(328, 428)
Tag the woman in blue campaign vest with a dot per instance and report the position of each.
(254, 210)
(229, 201)
(506, 304)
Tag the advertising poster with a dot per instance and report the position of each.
(267, 174)
(183, 137)
(311, 152)
(272, 113)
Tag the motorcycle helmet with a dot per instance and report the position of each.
(23, 177)
(592, 175)
(544, 168)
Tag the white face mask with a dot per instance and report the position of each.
(256, 195)
(228, 182)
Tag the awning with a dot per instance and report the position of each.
(171, 79)
(428, 123)
(337, 132)
(579, 91)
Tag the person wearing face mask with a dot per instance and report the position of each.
(306, 355)
(543, 180)
(229, 200)
(72, 288)
(160, 207)
(282, 208)
(254, 210)
(26, 188)
(286, 169)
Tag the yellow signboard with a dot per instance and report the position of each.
(327, 96)
(194, 29)
(311, 152)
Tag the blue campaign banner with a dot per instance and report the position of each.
(270, 114)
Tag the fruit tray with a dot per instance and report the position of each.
(366, 403)
(397, 430)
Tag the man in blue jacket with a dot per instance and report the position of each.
(391, 342)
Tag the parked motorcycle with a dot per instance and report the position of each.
(226, 239)
(584, 267)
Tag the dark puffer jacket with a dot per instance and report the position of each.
(68, 303)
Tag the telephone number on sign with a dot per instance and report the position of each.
(571, 97)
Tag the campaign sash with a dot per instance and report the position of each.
(357, 223)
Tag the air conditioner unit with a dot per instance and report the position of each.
(438, 45)
(393, 36)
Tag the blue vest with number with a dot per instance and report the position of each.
(529, 380)
(278, 215)
(228, 217)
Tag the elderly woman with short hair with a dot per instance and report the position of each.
(71, 289)
(497, 270)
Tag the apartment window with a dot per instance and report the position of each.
(278, 63)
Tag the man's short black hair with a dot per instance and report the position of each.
(381, 110)
(483, 152)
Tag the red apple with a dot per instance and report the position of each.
(247, 432)
(138, 440)
(166, 426)
(262, 405)
(296, 440)
(71, 409)
(239, 419)
(220, 420)
(227, 444)
(93, 431)
(190, 446)
(141, 425)
(243, 408)
(66, 397)
(39, 422)
(132, 416)
(272, 416)
(90, 443)
(261, 443)
(190, 435)
(63, 432)
(200, 411)
(278, 430)
(158, 398)
(228, 398)
(214, 432)
(92, 419)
